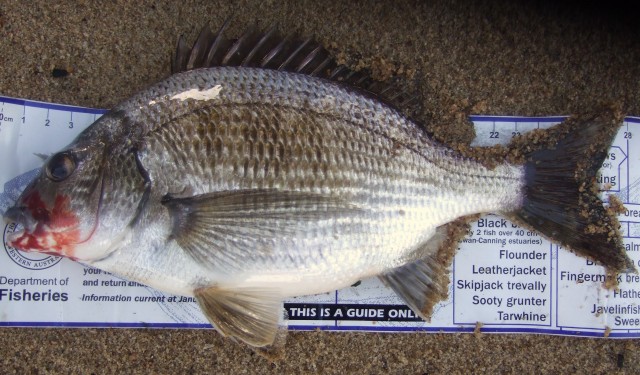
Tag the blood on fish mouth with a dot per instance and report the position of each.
(52, 231)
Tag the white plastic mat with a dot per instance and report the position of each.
(507, 278)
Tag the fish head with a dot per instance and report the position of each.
(58, 212)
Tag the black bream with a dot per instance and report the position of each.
(259, 172)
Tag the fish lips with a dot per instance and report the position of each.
(21, 216)
(25, 225)
(49, 229)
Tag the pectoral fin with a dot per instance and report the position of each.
(227, 226)
(250, 315)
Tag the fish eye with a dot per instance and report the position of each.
(60, 166)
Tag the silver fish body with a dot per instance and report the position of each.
(244, 130)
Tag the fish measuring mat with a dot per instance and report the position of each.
(507, 278)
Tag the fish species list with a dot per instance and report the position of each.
(502, 280)
(619, 307)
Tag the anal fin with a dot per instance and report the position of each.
(420, 285)
(424, 282)
(250, 315)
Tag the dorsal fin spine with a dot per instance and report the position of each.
(269, 51)
(258, 45)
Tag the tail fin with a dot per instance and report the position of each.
(561, 196)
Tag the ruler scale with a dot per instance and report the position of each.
(540, 287)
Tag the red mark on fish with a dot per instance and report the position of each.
(56, 231)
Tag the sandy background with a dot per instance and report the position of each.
(492, 57)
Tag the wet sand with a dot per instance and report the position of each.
(495, 57)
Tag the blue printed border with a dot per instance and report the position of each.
(45, 105)
(462, 329)
(97, 111)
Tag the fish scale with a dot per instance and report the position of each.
(389, 180)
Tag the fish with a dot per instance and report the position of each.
(260, 169)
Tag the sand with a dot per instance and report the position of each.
(491, 57)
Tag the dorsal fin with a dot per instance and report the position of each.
(269, 50)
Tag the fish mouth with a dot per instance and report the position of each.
(53, 231)
(21, 217)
